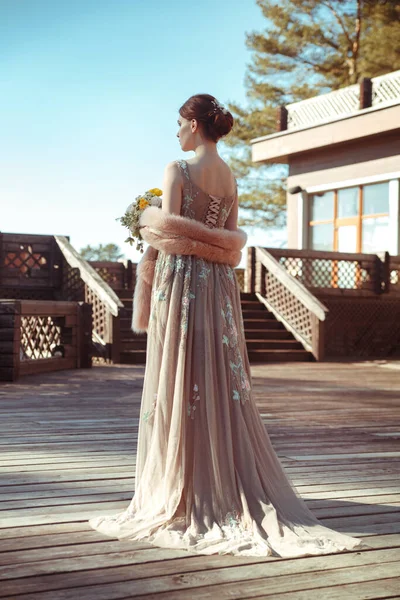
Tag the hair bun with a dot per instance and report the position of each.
(215, 119)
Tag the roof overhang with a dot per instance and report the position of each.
(279, 147)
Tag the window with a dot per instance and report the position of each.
(354, 219)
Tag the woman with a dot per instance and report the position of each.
(207, 477)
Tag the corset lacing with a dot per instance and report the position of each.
(211, 216)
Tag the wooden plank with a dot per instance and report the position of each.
(48, 307)
(44, 365)
(156, 567)
(65, 460)
(247, 581)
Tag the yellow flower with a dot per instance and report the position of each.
(143, 203)
(155, 192)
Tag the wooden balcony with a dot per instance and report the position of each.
(349, 115)
(68, 446)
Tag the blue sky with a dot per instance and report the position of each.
(89, 97)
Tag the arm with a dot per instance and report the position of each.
(232, 220)
(172, 189)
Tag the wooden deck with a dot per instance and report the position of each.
(68, 452)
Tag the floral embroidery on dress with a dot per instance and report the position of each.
(230, 338)
(187, 296)
(148, 414)
(188, 196)
(204, 272)
(187, 206)
(191, 405)
(233, 527)
(230, 273)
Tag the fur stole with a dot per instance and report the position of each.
(176, 234)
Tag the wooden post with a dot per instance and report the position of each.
(2, 261)
(386, 273)
(116, 339)
(128, 275)
(318, 337)
(365, 92)
(258, 276)
(10, 339)
(377, 275)
(84, 335)
(282, 118)
(250, 272)
(263, 285)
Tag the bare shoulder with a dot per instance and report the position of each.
(172, 168)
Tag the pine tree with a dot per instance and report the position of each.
(308, 47)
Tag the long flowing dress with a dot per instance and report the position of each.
(207, 477)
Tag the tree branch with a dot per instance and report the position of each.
(339, 20)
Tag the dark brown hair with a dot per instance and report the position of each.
(214, 123)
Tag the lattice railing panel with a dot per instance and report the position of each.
(100, 315)
(394, 274)
(21, 293)
(112, 273)
(330, 273)
(386, 88)
(323, 108)
(40, 335)
(240, 274)
(368, 327)
(288, 306)
(73, 287)
(24, 260)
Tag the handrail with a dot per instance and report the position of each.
(295, 287)
(323, 254)
(90, 276)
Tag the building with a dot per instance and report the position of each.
(343, 154)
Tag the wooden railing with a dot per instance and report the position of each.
(106, 305)
(393, 274)
(118, 275)
(39, 335)
(334, 272)
(325, 107)
(386, 88)
(383, 90)
(336, 304)
(288, 299)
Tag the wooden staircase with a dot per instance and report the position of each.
(266, 338)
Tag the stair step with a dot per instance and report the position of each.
(134, 345)
(133, 357)
(248, 296)
(262, 324)
(252, 305)
(123, 292)
(259, 313)
(125, 323)
(268, 334)
(279, 355)
(273, 345)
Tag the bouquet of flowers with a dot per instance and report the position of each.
(131, 218)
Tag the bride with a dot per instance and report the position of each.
(207, 477)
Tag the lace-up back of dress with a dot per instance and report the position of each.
(197, 204)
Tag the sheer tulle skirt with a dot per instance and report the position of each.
(207, 477)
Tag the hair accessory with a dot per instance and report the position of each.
(219, 106)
